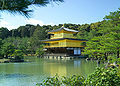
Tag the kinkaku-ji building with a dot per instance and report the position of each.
(62, 43)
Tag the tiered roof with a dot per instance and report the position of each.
(63, 28)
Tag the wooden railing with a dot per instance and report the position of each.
(50, 46)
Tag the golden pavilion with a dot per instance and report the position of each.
(62, 42)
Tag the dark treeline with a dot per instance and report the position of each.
(29, 30)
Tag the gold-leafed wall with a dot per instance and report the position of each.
(64, 43)
(62, 34)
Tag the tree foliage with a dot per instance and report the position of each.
(4, 33)
(104, 77)
(17, 55)
(63, 81)
(7, 49)
(23, 6)
(105, 42)
(0, 48)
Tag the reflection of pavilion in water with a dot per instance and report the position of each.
(77, 63)
(64, 69)
(55, 68)
(69, 67)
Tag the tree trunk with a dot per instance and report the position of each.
(118, 54)
(105, 56)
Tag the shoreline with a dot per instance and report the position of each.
(10, 61)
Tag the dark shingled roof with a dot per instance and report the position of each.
(63, 28)
(63, 39)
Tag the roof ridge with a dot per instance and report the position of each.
(67, 29)
(64, 38)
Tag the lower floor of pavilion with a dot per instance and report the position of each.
(65, 51)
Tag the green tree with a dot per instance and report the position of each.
(35, 41)
(15, 33)
(17, 55)
(4, 33)
(0, 43)
(114, 17)
(0, 47)
(39, 51)
(105, 42)
(24, 32)
(105, 45)
(7, 49)
(19, 43)
(94, 50)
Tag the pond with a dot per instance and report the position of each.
(38, 69)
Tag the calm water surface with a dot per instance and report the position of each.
(30, 73)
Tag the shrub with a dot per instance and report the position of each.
(73, 80)
(51, 81)
(101, 77)
(63, 81)
(104, 77)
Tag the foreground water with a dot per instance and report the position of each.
(30, 73)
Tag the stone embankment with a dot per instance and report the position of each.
(4, 60)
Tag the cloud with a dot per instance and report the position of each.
(35, 22)
(10, 25)
(6, 24)
(3, 23)
(50, 24)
